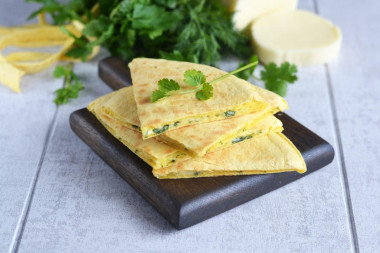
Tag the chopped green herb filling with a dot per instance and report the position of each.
(242, 138)
(229, 113)
(161, 130)
(136, 127)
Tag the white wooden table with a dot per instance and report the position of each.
(56, 195)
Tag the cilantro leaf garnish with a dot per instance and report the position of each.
(194, 78)
(156, 95)
(59, 71)
(276, 79)
(71, 87)
(205, 93)
(166, 85)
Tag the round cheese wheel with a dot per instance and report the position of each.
(299, 37)
(247, 11)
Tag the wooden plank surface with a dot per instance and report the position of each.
(355, 85)
(26, 120)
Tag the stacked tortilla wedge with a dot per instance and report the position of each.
(233, 133)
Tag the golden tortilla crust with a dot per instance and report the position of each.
(152, 151)
(196, 140)
(272, 153)
(231, 93)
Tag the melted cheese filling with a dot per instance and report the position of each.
(243, 109)
(213, 173)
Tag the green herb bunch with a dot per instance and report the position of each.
(186, 30)
(71, 87)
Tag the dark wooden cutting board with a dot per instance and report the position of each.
(185, 202)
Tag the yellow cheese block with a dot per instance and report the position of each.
(247, 11)
(299, 37)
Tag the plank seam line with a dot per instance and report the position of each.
(342, 160)
(29, 198)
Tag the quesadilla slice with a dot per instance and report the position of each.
(232, 96)
(272, 153)
(197, 140)
(152, 151)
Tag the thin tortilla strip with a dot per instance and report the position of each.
(191, 139)
(232, 96)
(271, 153)
(16, 64)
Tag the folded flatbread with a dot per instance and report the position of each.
(197, 140)
(156, 153)
(152, 151)
(232, 96)
(272, 153)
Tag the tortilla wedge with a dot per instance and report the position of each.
(197, 140)
(154, 152)
(272, 153)
(192, 139)
(232, 96)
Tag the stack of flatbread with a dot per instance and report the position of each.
(233, 133)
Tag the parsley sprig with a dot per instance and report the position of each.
(275, 78)
(71, 86)
(198, 31)
(194, 78)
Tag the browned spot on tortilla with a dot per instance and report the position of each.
(168, 151)
(157, 110)
(141, 114)
(144, 101)
(141, 93)
(180, 165)
(106, 117)
(144, 85)
(153, 122)
(219, 133)
(195, 137)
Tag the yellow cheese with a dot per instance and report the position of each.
(247, 11)
(299, 37)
